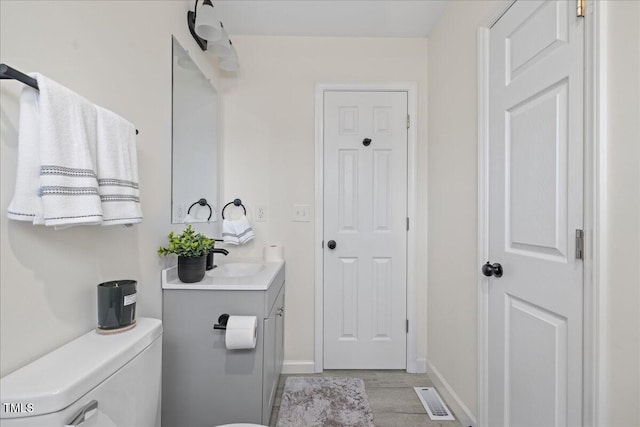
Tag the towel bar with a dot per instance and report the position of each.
(7, 72)
(201, 202)
(236, 202)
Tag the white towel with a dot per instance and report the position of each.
(237, 231)
(243, 229)
(67, 190)
(26, 204)
(229, 232)
(117, 169)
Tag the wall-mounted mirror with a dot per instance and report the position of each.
(194, 149)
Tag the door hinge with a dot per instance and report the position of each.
(579, 244)
(407, 223)
(407, 325)
(408, 121)
(581, 8)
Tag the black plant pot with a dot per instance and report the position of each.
(191, 269)
(116, 304)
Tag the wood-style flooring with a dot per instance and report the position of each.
(393, 401)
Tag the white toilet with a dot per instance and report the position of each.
(93, 381)
(107, 380)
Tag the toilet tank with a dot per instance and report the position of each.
(105, 380)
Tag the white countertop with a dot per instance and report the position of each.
(258, 282)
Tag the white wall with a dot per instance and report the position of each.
(453, 269)
(622, 299)
(116, 55)
(268, 134)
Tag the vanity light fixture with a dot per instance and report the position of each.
(205, 26)
(222, 47)
(226, 53)
(208, 31)
(229, 62)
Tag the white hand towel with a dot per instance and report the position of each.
(243, 228)
(26, 204)
(66, 145)
(229, 234)
(117, 169)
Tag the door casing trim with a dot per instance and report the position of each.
(595, 196)
(413, 364)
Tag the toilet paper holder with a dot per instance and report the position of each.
(222, 322)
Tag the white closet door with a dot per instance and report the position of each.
(365, 210)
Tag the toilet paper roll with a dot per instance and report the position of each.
(242, 332)
(273, 253)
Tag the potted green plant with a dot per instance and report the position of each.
(192, 249)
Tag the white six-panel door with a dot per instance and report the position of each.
(365, 210)
(535, 208)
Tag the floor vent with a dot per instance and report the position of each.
(433, 403)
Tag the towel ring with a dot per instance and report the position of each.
(236, 202)
(202, 202)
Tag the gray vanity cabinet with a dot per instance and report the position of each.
(204, 384)
(273, 352)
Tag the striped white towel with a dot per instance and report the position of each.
(117, 169)
(237, 231)
(229, 234)
(57, 144)
(243, 230)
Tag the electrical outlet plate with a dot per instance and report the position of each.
(301, 213)
(180, 212)
(261, 213)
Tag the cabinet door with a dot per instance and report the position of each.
(269, 367)
(273, 355)
(279, 333)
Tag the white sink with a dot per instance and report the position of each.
(236, 269)
(246, 274)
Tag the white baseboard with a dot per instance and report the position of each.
(451, 398)
(298, 367)
(308, 366)
(421, 365)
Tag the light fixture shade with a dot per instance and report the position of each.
(229, 62)
(208, 23)
(223, 47)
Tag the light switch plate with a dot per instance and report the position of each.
(301, 213)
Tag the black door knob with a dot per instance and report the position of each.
(366, 142)
(331, 244)
(492, 270)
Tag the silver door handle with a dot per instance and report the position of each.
(87, 411)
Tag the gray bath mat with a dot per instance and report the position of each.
(324, 401)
